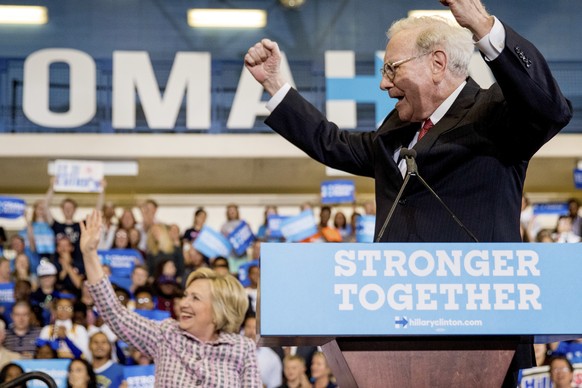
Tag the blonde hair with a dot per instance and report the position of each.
(162, 244)
(229, 299)
(435, 32)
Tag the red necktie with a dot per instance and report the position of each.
(425, 128)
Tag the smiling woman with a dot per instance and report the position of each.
(202, 348)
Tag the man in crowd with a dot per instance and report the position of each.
(21, 336)
(109, 373)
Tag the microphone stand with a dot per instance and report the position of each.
(412, 170)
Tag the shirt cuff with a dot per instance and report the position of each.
(493, 43)
(278, 97)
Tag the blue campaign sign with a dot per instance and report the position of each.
(57, 369)
(557, 208)
(338, 191)
(365, 228)
(140, 376)
(154, 315)
(120, 261)
(212, 243)
(299, 227)
(241, 238)
(421, 289)
(578, 178)
(274, 222)
(12, 208)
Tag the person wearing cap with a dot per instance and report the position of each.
(203, 347)
(166, 288)
(46, 292)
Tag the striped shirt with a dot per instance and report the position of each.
(181, 359)
(22, 344)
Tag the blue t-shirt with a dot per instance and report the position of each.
(111, 377)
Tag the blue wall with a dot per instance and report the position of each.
(99, 27)
(159, 26)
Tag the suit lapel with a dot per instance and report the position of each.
(450, 120)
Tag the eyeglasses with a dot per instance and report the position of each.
(143, 300)
(562, 369)
(63, 308)
(389, 69)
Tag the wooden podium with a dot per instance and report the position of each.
(299, 304)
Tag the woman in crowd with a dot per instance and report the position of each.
(203, 347)
(81, 375)
(22, 270)
(160, 248)
(340, 222)
(320, 372)
(199, 219)
(9, 372)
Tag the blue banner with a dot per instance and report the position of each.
(578, 178)
(140, 376)
(421, 289)
(365, 228)
(338, 191)
(154, 315)
(241, 238)
(57, 369)
(6, 293)
(274, 222)
(211, 243)
(557, 208)
(12, 208)
(299, 227)
(120, 261)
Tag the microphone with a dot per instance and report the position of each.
(409, 155)
(412, 170)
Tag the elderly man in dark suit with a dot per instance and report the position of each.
(473, 145)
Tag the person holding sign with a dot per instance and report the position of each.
(201, 348)
(475, 144)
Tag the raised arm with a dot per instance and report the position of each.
(132, 328)
(263, 60)
(48, 198)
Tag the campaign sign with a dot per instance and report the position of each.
(12, 208)
(421, 289)
(578, 178)
(140, 376)
(212, 243)
(241, 238)
(365, 228)
(6, 297)
(338, 191)
(79, 176)
(557, 208)
(154, 315)
(539, 377)
(120, 261)
(299, 227)
(572, 351)
(57, 369)
(274, 224)
(243, 272)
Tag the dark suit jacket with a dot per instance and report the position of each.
(475, 157)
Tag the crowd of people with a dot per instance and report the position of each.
(54, 316)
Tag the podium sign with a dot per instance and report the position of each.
(420, 289)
